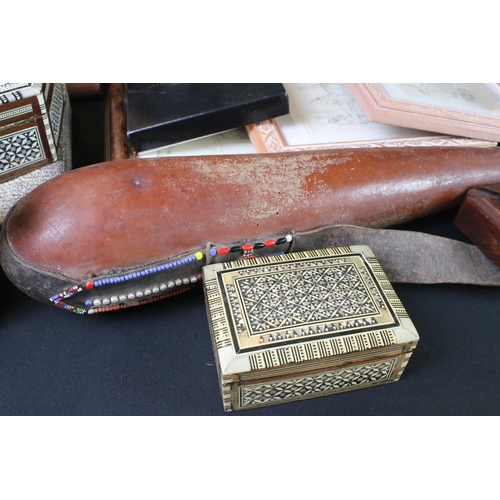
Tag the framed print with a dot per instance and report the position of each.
(327, 116)
(462, 109)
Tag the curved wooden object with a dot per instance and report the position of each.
(106, 221)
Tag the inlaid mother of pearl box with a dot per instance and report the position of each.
(305, 324)
(35, 138)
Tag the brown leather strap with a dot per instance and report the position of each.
(408, 256)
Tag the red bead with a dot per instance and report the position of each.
(270, 243)
(223, 250)
(89, 285)
(247, 247)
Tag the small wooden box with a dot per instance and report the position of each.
(35, 138)
(31, 116)
(306, 324)
(479, 219)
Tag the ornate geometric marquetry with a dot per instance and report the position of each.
(12, 92)
(26, 134)
(20, 149)
(327, 382)
(11, 114)
(56, 111)
(278, 300)
(34, 147)
(323, 348)
(304, 324)
(322, 295)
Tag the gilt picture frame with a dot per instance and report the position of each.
(461, 109)
(327, 116)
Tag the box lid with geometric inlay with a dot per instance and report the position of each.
(304, 324)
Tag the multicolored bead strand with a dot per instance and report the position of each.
(154, 292)
(113, 302)
(97, 310)
(248, 248)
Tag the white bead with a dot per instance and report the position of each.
(123, 298)
(147, 292)
(156, 289)
(114, 299)
(131, 296)
(106, 302)
(178, 282)
(163, 287)
(97, 302)
(138, 293)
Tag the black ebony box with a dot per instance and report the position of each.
(161, 114)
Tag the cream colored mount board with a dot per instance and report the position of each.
(305, 324)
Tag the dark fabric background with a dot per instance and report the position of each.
(158, 360)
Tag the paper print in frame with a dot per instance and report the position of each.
(327, 116)
(461, 109)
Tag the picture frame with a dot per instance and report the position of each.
(327, 116)
(462, 109)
